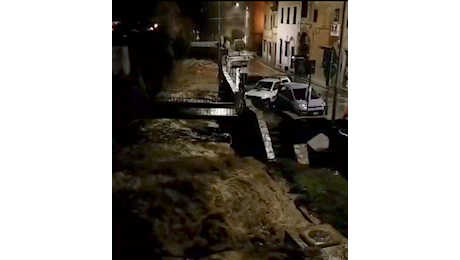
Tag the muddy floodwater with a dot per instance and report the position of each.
(182, 190)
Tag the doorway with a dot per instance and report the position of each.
(281, 49)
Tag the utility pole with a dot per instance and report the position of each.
(246, 26)
(334, 106)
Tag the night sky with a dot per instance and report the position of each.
(141, 9)
(199, 12)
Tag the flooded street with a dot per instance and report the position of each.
(183, 189)
(197, 194)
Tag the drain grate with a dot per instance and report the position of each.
(323, 235)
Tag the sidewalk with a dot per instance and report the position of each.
(302, 79)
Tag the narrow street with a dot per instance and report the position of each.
(258, 67)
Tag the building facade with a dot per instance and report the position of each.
(317, 26)
(269, 43)
(288, 33)
(306, 28)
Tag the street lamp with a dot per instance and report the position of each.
(237, 4)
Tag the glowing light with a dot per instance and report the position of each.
(155, 25)
(237, 4)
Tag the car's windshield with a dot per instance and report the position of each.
(314, 95)
(262, 85)
(253, 79)
(300, 93)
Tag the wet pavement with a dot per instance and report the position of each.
(256, 67)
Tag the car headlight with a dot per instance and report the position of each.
(303, 106)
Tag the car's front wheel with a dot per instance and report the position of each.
(267, 103)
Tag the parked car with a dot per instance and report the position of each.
(300, 99)
(252, 80)
(239, 45)
(266, 89)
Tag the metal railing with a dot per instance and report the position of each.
(208, 97)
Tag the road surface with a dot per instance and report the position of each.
(257, 67)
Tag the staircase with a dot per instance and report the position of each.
(280, 144)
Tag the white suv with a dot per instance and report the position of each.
(266, 90)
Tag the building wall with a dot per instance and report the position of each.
(258, 14)
(274, 37)
(319, 33)
(343, 72)
(268, 32)
(287, 33)
(257, 29)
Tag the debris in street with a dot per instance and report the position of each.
(319, 143)
(183, 192)
(200, 194)
(193, 75)
(301, 153)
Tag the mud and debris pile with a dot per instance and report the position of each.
(193, 75)
(181, 191)
(196, 197)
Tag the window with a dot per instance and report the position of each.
(282, 14)
(295, 15)
(271, 21)
(300, 93)
(281, 49)
(286, 49)
(275, 22)
(304, 9)
(270, 45)
(315, 16)
(288, 94)
(265, 45)
(276, 86)
(263, 85)
(289, 12)
(336, 15)
(314, 95)
(285, 81)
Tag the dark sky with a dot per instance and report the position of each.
(199, 12)
(142, 9)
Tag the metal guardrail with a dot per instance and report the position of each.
(208, 97)
(193, 105)
(205, 44)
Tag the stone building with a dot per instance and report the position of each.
(317, 28)
(269, 43)
(288, 33)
